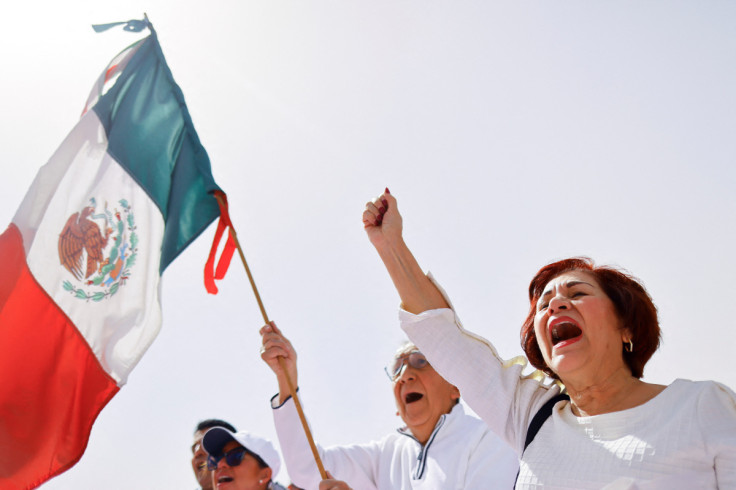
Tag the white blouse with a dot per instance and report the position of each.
(685, 437)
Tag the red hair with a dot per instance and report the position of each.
(634, 308)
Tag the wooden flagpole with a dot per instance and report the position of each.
(282, 363)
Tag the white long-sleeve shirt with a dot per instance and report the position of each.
(461, 453)
(684, 438)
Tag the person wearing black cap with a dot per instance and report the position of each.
(241, 461)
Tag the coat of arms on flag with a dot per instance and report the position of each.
(126, 192)
(98, 249)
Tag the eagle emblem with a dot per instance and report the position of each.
(98, 249)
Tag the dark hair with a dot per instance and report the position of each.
(209, 423)
(634, 308)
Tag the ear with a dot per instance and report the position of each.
(626, 335)
(265, 474)
(455, 393)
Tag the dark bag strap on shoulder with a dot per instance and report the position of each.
(541, 417)
(538, 421)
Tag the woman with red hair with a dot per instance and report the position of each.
(592, 423)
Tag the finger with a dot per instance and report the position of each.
(274, 327)
(276, 338)
(272, 358)
(271, 339)
(380, 204)
(271, 335)
(270, 353)
(377, 208)
(374, 207)
(277, 347)
(370, 218)
(388, 200)
(270, 327)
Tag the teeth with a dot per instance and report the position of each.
(564, 331)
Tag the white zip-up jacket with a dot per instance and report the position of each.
(461, 453)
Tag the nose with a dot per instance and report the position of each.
(222, 463)
(406, 373)
(558, 302)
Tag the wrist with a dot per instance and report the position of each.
(390, 244)
(393, 250)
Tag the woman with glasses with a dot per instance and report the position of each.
(439, 447)
(592, 328)
(240, 460)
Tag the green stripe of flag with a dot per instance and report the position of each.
(150, 133)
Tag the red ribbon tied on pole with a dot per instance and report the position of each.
(210, 273)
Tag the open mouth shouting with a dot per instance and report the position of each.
(564, 331)
(412, 397)
(223, 480)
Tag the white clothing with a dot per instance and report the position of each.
(461, 453)
(684, 438)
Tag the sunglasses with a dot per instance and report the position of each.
(233, 458)
(414, 359)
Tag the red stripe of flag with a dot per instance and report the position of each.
(46, 408)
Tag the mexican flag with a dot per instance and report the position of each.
(81, 262)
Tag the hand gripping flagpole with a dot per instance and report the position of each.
(231, 244)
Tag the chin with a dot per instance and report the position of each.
(564, 367)
(414, 420)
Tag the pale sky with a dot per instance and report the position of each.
(512, 133)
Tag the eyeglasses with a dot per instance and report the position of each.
(414, 359)
(233, 458)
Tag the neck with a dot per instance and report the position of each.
(423, 432)
(618, 390)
